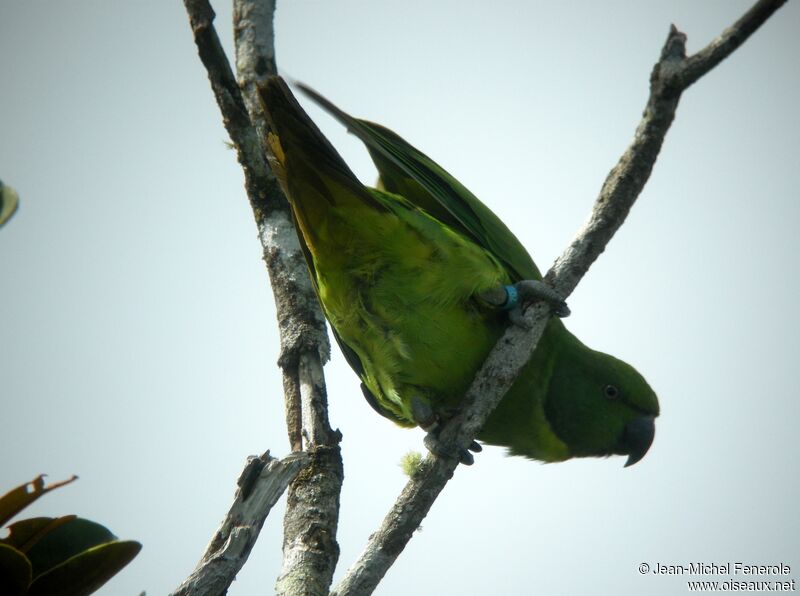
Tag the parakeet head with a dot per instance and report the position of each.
(599, 405)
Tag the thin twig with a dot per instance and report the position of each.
(734, 36)
(672, 74)
(260, 485)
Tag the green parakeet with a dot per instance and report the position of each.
(402, 272)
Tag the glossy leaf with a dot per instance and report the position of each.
(24, 534)
(67, 540)
(86, 572)
(15, 571)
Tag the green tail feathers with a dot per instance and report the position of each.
(399, 272)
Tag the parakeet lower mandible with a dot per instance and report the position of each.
(414, 277)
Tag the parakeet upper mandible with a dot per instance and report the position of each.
(408, 274)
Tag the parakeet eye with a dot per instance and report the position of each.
(611, 392)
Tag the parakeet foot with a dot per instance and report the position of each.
(427, 419)
(435, 446)
(512, 298)
(423, 414)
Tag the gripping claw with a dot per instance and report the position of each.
(512, 298)
(435, 446)
(427, 419)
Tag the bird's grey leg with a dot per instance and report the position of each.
(427, 419)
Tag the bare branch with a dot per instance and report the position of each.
(300, 319)
(310, 550)
(671, 75)
(262, 189)
(255, 43)
(261, 484)
(304, 341)
(734, 36)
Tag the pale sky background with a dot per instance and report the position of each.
(138, 339)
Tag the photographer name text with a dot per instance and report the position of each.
(730, 568)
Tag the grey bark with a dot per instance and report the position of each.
(304, 341)
(310, 550)
(262, 482)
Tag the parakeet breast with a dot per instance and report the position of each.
(398, 286)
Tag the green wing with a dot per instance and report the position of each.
(410, 173)
(305, 144)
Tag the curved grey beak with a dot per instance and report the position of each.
(637, 438)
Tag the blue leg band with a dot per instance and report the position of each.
(512, 297)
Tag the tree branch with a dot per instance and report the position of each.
(260, 485)
(671, 75)
(734, 36)
(304, 341)
(310, 550)
(300, 320)
(262, 189)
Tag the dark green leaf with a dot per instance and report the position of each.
(27, 532)
(66, 541)
(86, 572)
(15, 571)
